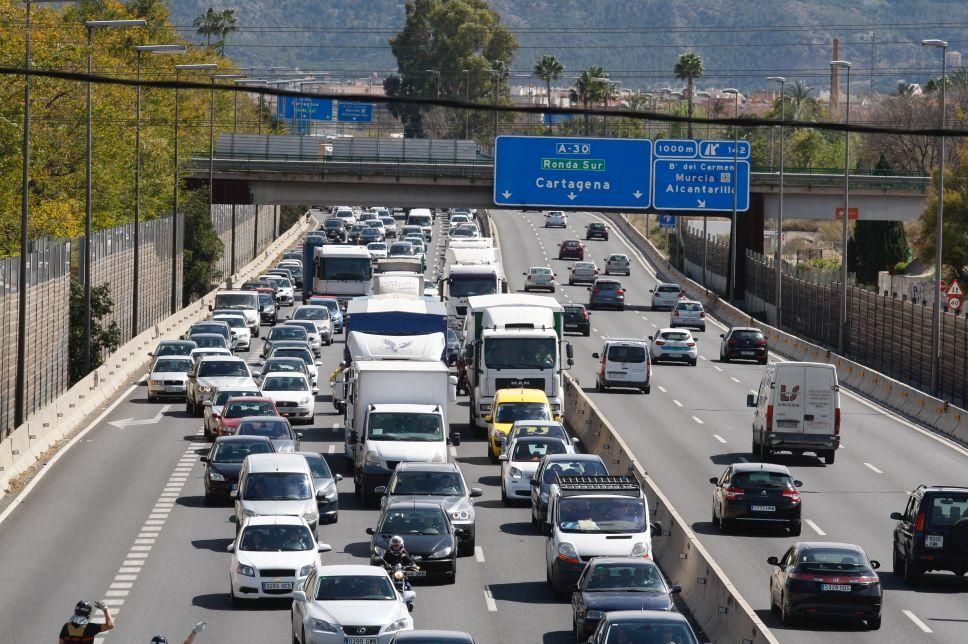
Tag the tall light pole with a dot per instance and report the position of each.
(235, 103)
(174, 208)
(211, 135)
(778, 255)
(842, 321)
(939, 217)
(705, 217)
(495, 74)
(731, 286)
(91, 26)
(467, 99)
(436, 75)
(136, 263)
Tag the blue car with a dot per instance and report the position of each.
(334, 311)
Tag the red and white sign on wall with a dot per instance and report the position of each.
(852, 213)
(955, 295)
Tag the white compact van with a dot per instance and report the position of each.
(797, 409)
(246, 303)
(276, 484)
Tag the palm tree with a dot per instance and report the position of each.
(548, 69)
(799, 95)
(689, 68)
(207, 25)
(590, 88)
(227, 24)
(904, 89)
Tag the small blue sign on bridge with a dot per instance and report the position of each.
(572, 172)
(354, 112)
(305, 108)
(667, 221)
(705, 181)
(553, 119)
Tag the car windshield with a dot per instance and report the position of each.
(548, 431)
(746, 335)
(831, 560)
(233, 321)
(265, 300)
(376, 246)
(511, 411)
(333, 224)
(332, 305)
(285, 383)
(772, 480)
(569, 244)
(573, 468)
(667, 289)
(618, 259)
(306, 325)
(314, 313)
(344, 268)
(947, 510)
(520, 353)
(577, 514)
(426, 521)
(469, 285)
(318, 466)
(175, 349)
(427, 484)
(689, 306)
(236, 451)
(607, 286)
(355, 588)
(209, 340)
(283, 364)
(234, 301)
(277, 486)
(534, 451)
(287, 332)
(583, 266)
(276, 538)
(463, 232)
(625, 577)
(674, 336)
(405, 427)
(172, 365)
(661, 632)
(223, 369)
(271, 429)
(285, 352)
(248, 408)
(625, 353)
(222, 397)
(405, 248)
(540, 271)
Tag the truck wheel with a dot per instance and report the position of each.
(828, 456)
(490, 454)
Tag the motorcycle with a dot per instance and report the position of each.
(400, 575)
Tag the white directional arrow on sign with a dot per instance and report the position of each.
(506, 194)
(571, 195)
(128, 422)
(700, 203)
(637, 194)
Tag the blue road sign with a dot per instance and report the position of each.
(355, 112)
(306, 108)
(721, 149)
(667, 221)
(699, 175)
(676, 148)
(553, 119)
(572, 172)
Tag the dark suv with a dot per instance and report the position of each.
(606, 294)
(932, 533)
(596, 231)
(743, 343)
(335, 229)
(576, 319)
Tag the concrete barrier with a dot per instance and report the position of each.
(891, 394)
(28, 442)
(714, 602)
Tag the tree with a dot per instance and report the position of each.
(102, 338)
(799, 95)
(905, 89)
(875, 246)
(228, 23)
(954, 229)
(910, 152)
(548, 69)
(590, 88)
(448, 36)
(203, 248)
(688, 68)
(208, 24)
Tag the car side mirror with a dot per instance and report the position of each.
(324, 547)
(207, 403)
(454, 439)
(230, 547)
(569, 351)
(773, 561)
(751, 400)
(713, 480)
(502, 457)
(525, 274)
(656, 528)
(797, 483)
(535, 482)
(722, 335)
(380, 489)
(897, 516)
(370, 531)
(204, 459)
(320, 494)
(354, 438)
(234, 493)
(651, 338)
(675, 590)
(299, 596)
(476, 492)
(597, 355)
(460, 532)
(151, 354)
(875, 564)
(339, 477)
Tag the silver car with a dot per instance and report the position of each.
(169, 377)
(213, 373)
(582, 273)
(618, 264)
(315, 338)
(540, 278)
(689, 314)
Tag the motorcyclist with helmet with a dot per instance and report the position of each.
(397, 554)
(79, 629)
(198, 628)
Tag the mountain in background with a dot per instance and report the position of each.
(637, 41)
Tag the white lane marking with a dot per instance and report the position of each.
(331, 449)
(735, 379)
(717, 368)
(594, 329)
(677, 403)
(662, 389)
(116, 593)
(645, 318)
(719, 438)
(815, 527)
(917, 621)
(489, 600)
(654, 325)
(703, 358)
(698, 420)
(479, 554)
(873, 469)
(119, 585)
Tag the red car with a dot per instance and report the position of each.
(236, 409)
(571, 249)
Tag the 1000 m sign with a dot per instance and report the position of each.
(585, 165)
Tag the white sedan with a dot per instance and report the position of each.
(520, 461)
(377, 250)
(674, 345)
(333, 597)
(241, 336)
(271, 557)
(291, 393)
(169, 377)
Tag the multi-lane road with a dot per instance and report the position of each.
(120, 514)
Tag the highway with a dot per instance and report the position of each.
(695, 422)
(120, 515)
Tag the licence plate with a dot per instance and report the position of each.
(840, 588)
(616, 374)
(174, 388)
(361, 640)
(747, 353)
(277, 585)
(416, 573)
(934, 541)
(763, 508)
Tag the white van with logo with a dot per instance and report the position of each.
(797, 409)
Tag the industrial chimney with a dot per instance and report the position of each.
(835, 77)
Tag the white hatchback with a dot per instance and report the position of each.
(665, 295)
(520, 461)
(556, 218)
(292, 394)
(271, 557)
(674, 345)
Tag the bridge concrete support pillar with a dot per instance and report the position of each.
(749, 236)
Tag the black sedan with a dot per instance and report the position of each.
(822, 579)
(625, 626)
(743, 343)
(427, 533)
(577, 319)
(756, 494)
(618, 583)
(224, 461)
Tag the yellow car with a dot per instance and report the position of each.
(510, 405)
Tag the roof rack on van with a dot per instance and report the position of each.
(574, 485)
(640, 340)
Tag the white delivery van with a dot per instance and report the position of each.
(797, 409)
(424, 218)
(245, 302)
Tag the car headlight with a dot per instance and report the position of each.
(484, 408)
(641, 549)
(594, 614)
(555, 407)
(245, 571)
(311, 516)
(204, 389)
(249, 513)
(440, 554)
(329, 492)
(378, 551)
(322, 626)
(305, 570)
(372, 458)
(460, 515)
(398, 625)
(515, 473)
(154, 382)
(215, 476)
(305, 401)
(567, 550)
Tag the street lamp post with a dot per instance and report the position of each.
(91, 26)
(705, 218)
(842, 326)
(778, 255)
(467, 99)
(136, 263)
(211, 135)
(939, 217)
(731, 286)
(174, 208)
(495, 74)
(436, 75)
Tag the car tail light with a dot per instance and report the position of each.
(675, 314)
(659, 343)
(585, 315)
(620, 291)
(690, 344)
(702, 314)
(595, 292)
(733, 343)
(733, 493)
(799, 576)
(919, 522)
(761, 343)
(769, 418)
(792, 494)
(837, 421)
